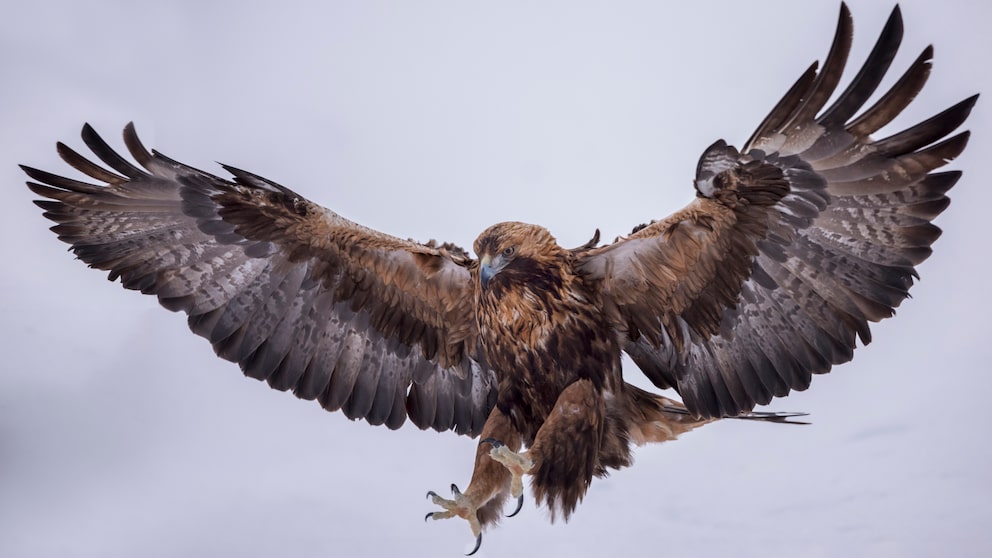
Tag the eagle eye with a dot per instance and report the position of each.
(507, 252)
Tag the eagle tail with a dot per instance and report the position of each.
(783, 417)
(655, 418)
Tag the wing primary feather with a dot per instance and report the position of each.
(928, 131)
(85, 166)
(869, 76)
(109, 156)
(829, 76)
(59, 181)
(136, 148)
(897, 98)
(785, 107)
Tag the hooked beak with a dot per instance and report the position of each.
(486, 270)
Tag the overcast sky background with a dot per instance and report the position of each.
(122, 435)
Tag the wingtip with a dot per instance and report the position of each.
(894, 23)
(845, 15)
(963, 110)
(135, 147)
(62, 149)
(896, 13)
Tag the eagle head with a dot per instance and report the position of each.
(515, 252)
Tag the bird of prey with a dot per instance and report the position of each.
(792, 245)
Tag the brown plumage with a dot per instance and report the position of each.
(792, 246)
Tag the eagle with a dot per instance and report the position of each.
(793, 244)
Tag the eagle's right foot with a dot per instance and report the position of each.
(459, 506)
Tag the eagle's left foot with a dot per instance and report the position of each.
(518, 464)
(459, 506)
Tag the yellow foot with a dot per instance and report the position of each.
(458, 506)
(518, 464)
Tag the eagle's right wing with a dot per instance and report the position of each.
(376, 326)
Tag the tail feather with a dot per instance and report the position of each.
(655, 418)
(782, 417)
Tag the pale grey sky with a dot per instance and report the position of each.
(122, 435)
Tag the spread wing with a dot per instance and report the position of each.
(792, 245)
(298, 296)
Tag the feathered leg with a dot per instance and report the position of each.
(565, 453)
(482, 501)
(566, 448)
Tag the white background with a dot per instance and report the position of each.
(121, 435)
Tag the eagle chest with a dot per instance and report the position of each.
(538, 345)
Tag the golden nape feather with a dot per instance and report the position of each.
(794, 244)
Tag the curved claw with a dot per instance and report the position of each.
(478, 543)
(520, 505)
(459, 506)
(493, 442)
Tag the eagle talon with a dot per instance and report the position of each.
(478, 543)
(520, 505)
(458, 506)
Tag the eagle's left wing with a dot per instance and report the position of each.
(376, 326)
(792, 245)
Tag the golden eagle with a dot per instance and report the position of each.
(793, 244)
